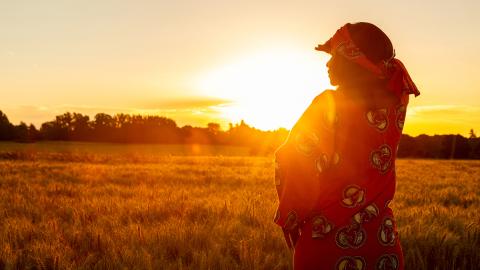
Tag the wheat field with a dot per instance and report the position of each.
(94, 211)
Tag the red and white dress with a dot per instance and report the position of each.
(335, 178)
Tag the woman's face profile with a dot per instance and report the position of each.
(335, 68)
(341, 71)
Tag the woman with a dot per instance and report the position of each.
(335, 174)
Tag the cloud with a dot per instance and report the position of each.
(442, 119)
(184, 103)
(453, 110)
(454, 114)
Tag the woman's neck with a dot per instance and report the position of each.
(372, 94)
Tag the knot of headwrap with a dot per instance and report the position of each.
(399, 81)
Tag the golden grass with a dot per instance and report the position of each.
(204, 213)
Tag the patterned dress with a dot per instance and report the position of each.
(335, 178)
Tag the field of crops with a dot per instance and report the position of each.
(118, 149)
(60, 210)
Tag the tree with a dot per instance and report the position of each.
(21, 132)
(104, 127)
(80, 127)
(457, 146)
(63, 126)
(472, 134)
(213, 128)
(6, 128)
(33, 133)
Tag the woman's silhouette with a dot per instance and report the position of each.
(335, 174)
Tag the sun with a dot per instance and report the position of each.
(269, 88)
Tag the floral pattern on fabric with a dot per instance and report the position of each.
(292, 221)
(335, 159)
(322, 163)
(381, 158)
(351, 236)
(387, 262)
(366, 214)
(387, 203)
(400, 116)
(386, 232)
(353, 196)
(306, 142)
(321, 226)
(378, 119)
(351, 263)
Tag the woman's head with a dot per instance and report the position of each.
(371, 41)
(363, 59)
(368, 40)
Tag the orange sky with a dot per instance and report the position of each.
(222, 61)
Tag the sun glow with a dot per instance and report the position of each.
(268, 89)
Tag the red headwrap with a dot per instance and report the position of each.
(399, 81)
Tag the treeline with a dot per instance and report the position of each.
(440, 146)
(125, 128)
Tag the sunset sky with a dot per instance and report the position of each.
(223, 61)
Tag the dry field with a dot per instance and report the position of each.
(94, 211)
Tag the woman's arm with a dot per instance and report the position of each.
(302, 161)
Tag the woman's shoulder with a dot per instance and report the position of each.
(326, 94)
(320, 113)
